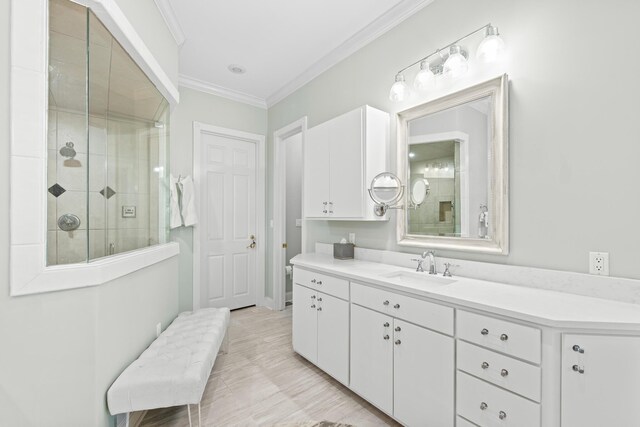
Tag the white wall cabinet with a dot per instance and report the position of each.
(321, 330)
(341, 158)
(600, 380)
(403, 369)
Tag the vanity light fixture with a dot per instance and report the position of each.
(412, 154)
(400, 90)
(450, 60)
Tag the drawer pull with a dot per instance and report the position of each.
(396, 306)
(485, 365)
(319, 308)
(398, 342)
(504, 372)
(502, 415)
(386, 302)
(485, 331)
(504, 337)
(386, 324)
(313, 280)
(578, 369)
(320, 299)
(313, 306)
(398, 329)
(319, 282)
(386, 337)
(483, 406)
(313, 297)
(578, 349)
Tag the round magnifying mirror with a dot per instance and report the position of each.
(419, 191)
(386, 189)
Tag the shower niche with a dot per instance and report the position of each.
(107, 144)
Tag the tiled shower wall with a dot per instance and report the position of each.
(115, 165)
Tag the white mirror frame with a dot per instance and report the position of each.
(29, 273)
(497, 89)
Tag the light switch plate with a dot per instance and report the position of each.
(599, 263)
(128, 212)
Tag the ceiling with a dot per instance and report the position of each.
(283, 44)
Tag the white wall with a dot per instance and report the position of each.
(60, 351)
(293, 147)
(574, 122)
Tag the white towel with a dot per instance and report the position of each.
(175, 220)
(188, 205)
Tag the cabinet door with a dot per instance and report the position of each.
(423, 367)
(347, 187)
(372, 356)
(316, 172)
(305, 322)
(333, 337)
(608, 392)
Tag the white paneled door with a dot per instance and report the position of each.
(228, 225)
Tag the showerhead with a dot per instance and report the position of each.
(68, 151)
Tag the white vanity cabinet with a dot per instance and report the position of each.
(341, 157)
(321, 323)
(404, 369)
(600, 380)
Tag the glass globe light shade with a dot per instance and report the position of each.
(491, 49)
(425, 79)
(400, 90)
(456, 64)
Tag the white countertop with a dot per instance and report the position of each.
(548, 308)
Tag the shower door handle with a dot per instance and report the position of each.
(253, 242)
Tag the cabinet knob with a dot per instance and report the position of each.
(502, 415)
(396, 306)
(313, 280)
(578, 369)
(483, 406)
(386, 324)
(504, 372)
(485, 365)
(325, 203)
(398, 342)
(319, 282)
(313, 297)
(386, 337)
(385, 303)
(578, 349)
(484, 331)
(319, 308)
(504, 337)
(398, 329)
(320, 299)
(313, 306)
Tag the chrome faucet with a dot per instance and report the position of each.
(421, 260)
(432, 261)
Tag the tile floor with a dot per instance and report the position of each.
(262, 382)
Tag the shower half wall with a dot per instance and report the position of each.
(107, 144)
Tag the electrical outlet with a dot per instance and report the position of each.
(352, 238)
(158, 329)
(599, 263)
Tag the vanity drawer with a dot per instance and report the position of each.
(433, 316)
(322, 282)
(506, 337)
(485, 404)
(519, 377)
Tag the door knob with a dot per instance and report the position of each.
(253, 242)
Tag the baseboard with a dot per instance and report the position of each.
(267, 302)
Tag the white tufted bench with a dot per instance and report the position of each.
(174, 369)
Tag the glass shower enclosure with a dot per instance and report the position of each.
(108, 139)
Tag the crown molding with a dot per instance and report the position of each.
(171, 20)
(213, 89)
(375, 29)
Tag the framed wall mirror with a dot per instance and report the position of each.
(453, 155)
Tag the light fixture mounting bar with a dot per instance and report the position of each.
(484, 27)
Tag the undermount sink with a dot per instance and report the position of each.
(418, 279)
